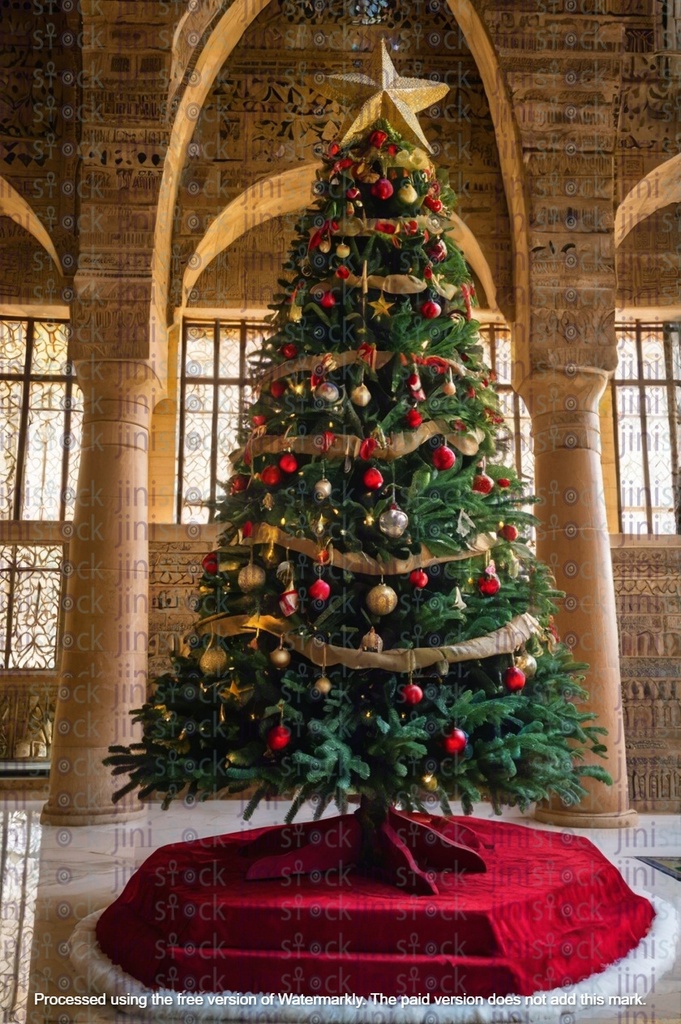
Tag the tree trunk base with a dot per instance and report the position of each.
(408, 851)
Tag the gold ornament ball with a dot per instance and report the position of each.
(280, 657)
(527, 664)
(214, 661)
(323, 685)
(381, 599)
(325, 245)
(343, 250)
(407, 194)
(360, 395)
(251, 577)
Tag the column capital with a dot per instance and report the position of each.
(563, 402)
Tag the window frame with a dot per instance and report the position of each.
(640, 382)
(216, 381)
(26, 378)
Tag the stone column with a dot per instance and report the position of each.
(104, 659)
(573, 539)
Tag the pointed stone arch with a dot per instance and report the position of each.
(658, 189)
(225, 35)
(290, 192)
(15, 207)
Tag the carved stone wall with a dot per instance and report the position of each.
(648, 588)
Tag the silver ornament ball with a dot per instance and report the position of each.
(322, 489)
(393, 522)
(327, 392)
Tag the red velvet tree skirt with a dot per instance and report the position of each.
(549, 911)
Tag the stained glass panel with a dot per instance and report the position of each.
(199, 358)
(30, 588)
(10, 423)
(652, 355)
(50, 346)
(627, 357)
(197, 447)
(44, 451)
(12, 346)
(230, 352)
(503, 364)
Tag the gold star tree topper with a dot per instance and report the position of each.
(384, 94)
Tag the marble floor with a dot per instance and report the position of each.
(54, 876)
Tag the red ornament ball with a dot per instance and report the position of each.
(509, 532)
(343, 273)
(482, 483)
(430, 309)
(289, 350)
(437, 252)
(433, 204)
(278, 737)
(372, 479)
(412, 693)
(210, 563)
(455, 742)
(328, 300)
(413, 418)
(353, 192)
(277, 388)
(288, 463)
(271, 476)
(382, 189)
(238, 484)
(514, 679)
(377, 138)
(258, 421)
(418, 579)
(489, 585)
(319, 590)
(443, 457)
(503, 481)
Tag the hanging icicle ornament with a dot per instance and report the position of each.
(393, 522)
(464, 524)
(458, 601)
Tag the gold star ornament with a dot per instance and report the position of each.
(382, 93)
(381, 307)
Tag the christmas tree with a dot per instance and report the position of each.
(374, 622)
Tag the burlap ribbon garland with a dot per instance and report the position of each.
(358, 562)
(333, 360)
(349, 444)
(504, 640)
